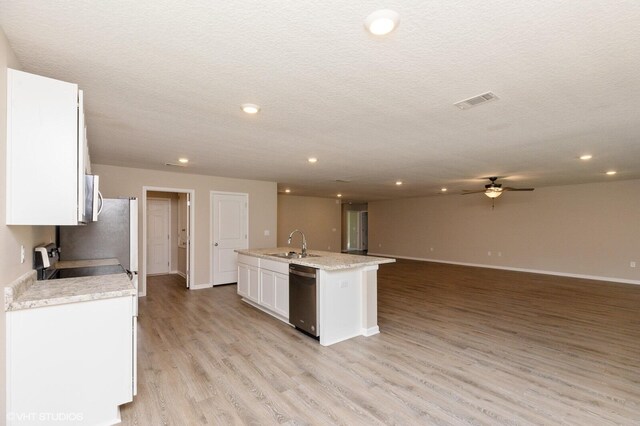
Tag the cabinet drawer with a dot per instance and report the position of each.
(248, 260)
(275, 266)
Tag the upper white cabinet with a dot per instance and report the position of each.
(46, 151)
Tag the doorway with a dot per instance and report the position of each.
(229, 232)
(167, 234)
(355, 228)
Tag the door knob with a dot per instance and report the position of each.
(215, 244)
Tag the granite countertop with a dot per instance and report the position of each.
(66, 264)
(27, 293)
(326, 260)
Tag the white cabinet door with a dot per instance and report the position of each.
(281, 304)
(73, 358)
(267, 289)
(254, 284)
(243, 280)
(42, 136)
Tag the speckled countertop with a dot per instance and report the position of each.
(326, 260)
(66, 264)
(27, 293)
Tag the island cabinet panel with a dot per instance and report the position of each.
(243, 280)
(267, 289)
(266, 283)
(75, 359)
(281, 304)
(254, 284)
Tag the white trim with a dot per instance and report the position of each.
(200, 286)
(267, 311)
(509, 268)
(211, 227)
(182, 274)
(192, 234)
(370, 331)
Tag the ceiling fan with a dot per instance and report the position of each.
(493, 189)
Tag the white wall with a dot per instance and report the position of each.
(589, 229)
(11, 237)
(122, 181)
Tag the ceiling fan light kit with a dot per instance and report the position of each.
(493, 190)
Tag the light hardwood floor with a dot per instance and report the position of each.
(458, 345)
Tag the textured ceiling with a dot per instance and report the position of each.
(164, 79)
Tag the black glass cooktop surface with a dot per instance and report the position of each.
(88, 271)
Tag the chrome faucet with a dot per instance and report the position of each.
(304, 241)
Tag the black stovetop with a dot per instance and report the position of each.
(88, 271)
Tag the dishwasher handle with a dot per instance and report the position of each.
(302, 274)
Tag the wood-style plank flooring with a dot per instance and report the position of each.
(458, 345)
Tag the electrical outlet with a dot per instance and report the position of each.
(499, 254)
(267, 232)
(380, 245)
(431, 248)
(22, 254)
(632, 264)
(488, 253)
(329, 248)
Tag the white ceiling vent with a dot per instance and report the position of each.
(175, 165)
(476, 100)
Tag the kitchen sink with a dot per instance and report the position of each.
(292, 255)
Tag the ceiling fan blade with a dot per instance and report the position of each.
(517, 189)
(467, 191)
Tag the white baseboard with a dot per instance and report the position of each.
(370, 331)
(509, 268)
(182, 274)
(200, 286)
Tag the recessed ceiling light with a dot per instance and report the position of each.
(382, 21)
(586, 157)
(399, 182)
(287, 190)
(312, 160)
(183, 160)
(443, 189)
(611, 172)
(250, 108)
(339, 195)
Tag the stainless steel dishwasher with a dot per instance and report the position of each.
(303, 301)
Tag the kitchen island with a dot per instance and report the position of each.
(347, 289)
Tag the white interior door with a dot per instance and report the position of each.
(188, 251)
(229, 224)
(158, 236)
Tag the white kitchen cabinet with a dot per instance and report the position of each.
(267, 289)
(46, 151)
(76, 359)
(266, 283)
(248, 277)
(281, 304)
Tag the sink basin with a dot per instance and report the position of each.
(291, 255)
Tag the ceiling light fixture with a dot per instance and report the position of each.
(339, 195)
(611, 172)
(586, 157)
(183, 160)
(312, 160)
(444, 190)
(381, 22)
(399, 182)
(493, 192)
(287, 190)
(250, 108)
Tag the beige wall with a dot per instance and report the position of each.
(173, 198)
(589, 229)
(318, 218)
(11, 237)
(122, 181)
